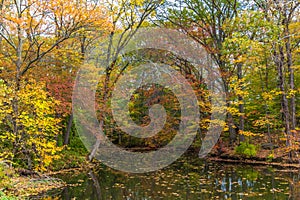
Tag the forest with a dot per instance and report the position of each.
(254, 45)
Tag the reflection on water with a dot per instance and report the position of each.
(186, 179)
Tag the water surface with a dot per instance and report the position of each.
(187, 178)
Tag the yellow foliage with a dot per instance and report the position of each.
(292, 93)
(232, 110)
(269, 96)
(249, 133)
(37, 125)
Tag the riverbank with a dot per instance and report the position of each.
(23, 187)
(18, 183)
(278, 158)
(291, 166)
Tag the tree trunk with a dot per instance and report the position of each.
(1, 6)
(232, 130)
(15, 101)
(241, 103)
(265, 89)
(68, 131)
(101, 124)
(284, 101)
(291, 79)
(97, 143)
(229, 118)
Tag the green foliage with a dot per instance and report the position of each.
(3, 196)
(69, 158)
(6, 173)
(246, 149)
(270, 157)
(73, 156)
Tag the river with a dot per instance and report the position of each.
(187, 178)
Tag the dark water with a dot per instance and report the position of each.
(187, 178)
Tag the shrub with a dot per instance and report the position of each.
(6, 172)
(246, 149)
(3, 196)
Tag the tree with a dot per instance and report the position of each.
(245, 47)
(203, 21)
(35, 144)
(283, 13)
(30, 32)
(126, 18)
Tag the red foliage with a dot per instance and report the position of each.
(61, 87)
